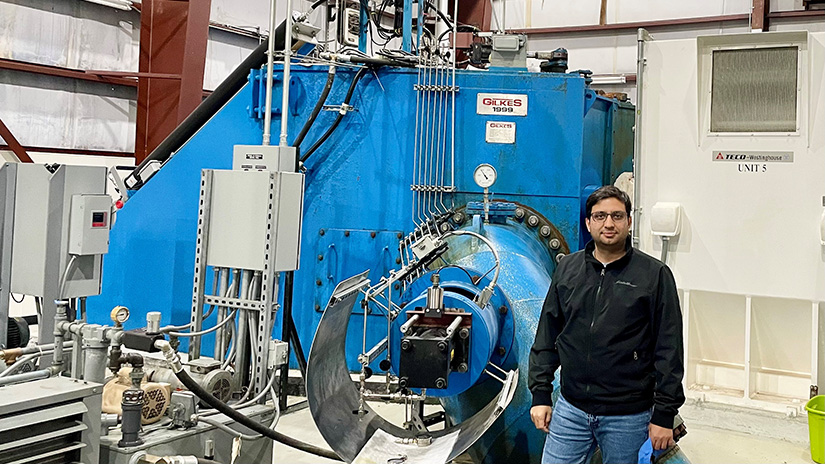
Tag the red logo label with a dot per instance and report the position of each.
(502, 101)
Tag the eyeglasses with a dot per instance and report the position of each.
(601, 216)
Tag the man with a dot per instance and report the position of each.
(612, 321)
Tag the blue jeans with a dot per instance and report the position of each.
(574, 435)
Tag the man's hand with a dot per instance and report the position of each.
(541, 417)
(660, 437)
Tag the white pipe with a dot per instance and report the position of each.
(453, 90)
(287, 59)
(641, 36)
(269, 59)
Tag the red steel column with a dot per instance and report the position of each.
(173, 37)
(759, 16)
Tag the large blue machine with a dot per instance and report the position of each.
(358, 206)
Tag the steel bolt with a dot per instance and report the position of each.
(397, 260)
(346, 233)
(402, 382)
(502, 310)
(519, 213)
(406, 345)
(399, 235)
(372, 234)
(321, 232)
(442, 346)
(464, 333)
(319, 282)
(397, 286)
(317, 307)
(462, 368)
(320, 257)
(559, 257)
(502, 351)
(555, 243)
(440, 383)
(445, 227)
(458, 218)
(533, 221)
(545, 231)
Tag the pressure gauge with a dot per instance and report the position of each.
(485, 175)
(120, 314)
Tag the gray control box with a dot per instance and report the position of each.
(251, 212)
(89, 225)
(263, 158)
(42, 250)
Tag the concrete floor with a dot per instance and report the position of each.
(716, 434)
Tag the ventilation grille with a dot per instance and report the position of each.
(46, 435)
(754, 90)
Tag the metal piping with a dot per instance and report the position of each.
(33, 375)
(287, 64)
(270, 51)
(641, 36)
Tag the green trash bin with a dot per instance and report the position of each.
(816, 427)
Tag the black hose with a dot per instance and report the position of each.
(257, 427)
(340, 116)
(318, 105)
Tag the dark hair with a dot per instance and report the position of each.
(602, 193)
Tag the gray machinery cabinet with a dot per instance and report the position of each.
(55, 420)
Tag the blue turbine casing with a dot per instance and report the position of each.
(358, 204)
(527, 266)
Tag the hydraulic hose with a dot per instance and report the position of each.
(236, 416)
(340, 116)
(317, 109)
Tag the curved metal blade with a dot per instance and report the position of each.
(334, 399)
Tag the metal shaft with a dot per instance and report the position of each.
(404, 328)
(453, 326)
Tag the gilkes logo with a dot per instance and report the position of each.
(501, 125)
(515, 102)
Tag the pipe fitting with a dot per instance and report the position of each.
(170, 354)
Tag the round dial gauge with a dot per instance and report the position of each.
(485, 175)
(120, 314)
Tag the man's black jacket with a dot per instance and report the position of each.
(616, 330)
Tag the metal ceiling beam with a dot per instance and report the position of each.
(59, 71)
(71, 151)
(632, 26)
(13, 144)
